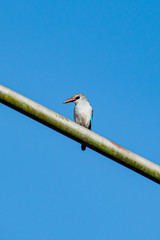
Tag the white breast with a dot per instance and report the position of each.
(83, 113)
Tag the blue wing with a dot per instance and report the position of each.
(91, 121)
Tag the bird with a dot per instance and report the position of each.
(83, 112)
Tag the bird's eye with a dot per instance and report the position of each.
(78, 97)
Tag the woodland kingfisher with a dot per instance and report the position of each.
(83, 112)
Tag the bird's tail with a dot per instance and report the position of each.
(83, 147)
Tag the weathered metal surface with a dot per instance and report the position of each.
(79, 133)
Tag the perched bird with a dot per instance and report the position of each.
(83, 112)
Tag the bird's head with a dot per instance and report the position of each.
(76, 98)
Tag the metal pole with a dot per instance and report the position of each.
(79, 133)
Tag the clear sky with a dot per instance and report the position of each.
(109, 51)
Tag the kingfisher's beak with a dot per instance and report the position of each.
(69, 100)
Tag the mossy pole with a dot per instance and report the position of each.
(79, 134)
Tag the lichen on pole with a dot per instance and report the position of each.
(80, 134)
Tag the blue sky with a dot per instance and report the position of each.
(109, 51)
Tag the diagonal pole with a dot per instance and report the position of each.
(80, 134)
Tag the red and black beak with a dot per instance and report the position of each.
(69, 100)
